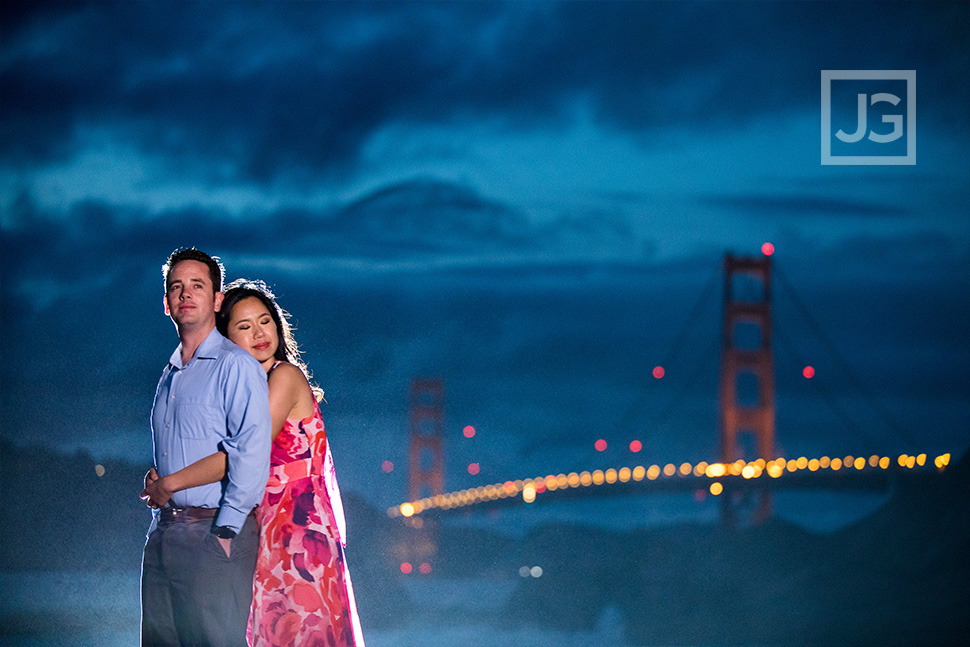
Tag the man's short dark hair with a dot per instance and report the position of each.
(216, 271)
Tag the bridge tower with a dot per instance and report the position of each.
(747, 381)
(426, 457)
(426, 460)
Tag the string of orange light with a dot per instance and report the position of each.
(529, 489)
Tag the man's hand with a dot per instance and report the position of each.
(155, 494)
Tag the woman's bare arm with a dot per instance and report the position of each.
(210, 469)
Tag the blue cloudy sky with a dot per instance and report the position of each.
(530, 200)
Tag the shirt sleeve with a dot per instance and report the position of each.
(248, 426)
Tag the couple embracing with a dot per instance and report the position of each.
(246, 540)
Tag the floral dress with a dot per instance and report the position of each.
(302, 595)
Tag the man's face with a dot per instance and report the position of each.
(190, 299)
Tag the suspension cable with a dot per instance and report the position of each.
(692, 318)
(853, 378)
(829, 399)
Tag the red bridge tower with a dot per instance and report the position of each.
(426, 458)
(747, 383)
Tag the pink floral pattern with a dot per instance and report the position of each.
(302, 595)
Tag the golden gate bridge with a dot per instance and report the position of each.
(744, 484)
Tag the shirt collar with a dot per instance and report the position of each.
(208, 349)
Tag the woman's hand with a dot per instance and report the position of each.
(150, 478)
(155, 494)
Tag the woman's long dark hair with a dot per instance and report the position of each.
(287, 349)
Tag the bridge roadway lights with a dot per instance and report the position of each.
(846, 479)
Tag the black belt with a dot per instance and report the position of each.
(188, 513)
(170, 514)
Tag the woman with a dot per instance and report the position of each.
(302, 593)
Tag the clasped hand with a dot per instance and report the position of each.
(155, 494)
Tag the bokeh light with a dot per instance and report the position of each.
(387, 467)
(530, 488)
(600, 445)
(716, 469)
(658, 372)
(468, 431)
(808, 372)
(767, 249)
(636, 446)
(529, 492)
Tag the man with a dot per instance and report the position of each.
(197, 570)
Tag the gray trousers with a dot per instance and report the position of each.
(192, 595)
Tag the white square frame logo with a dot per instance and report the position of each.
(869, 75)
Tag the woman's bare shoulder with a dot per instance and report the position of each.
(287, 375)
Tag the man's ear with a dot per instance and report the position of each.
(218, 300)
(165, 301)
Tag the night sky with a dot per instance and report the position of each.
(529, 200)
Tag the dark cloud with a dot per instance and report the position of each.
(293, 91)
(422, 213)
(783, 206)
(419, 223)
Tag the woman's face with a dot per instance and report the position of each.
(252, 327)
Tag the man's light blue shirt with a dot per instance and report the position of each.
(217, 400)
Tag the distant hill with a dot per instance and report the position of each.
(57, 500)
(898, 577)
